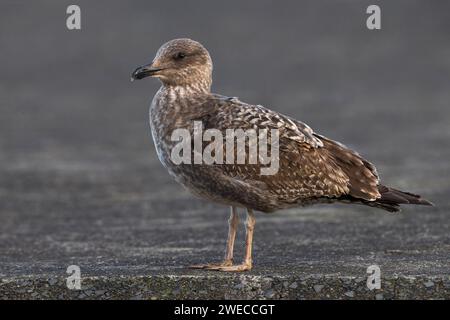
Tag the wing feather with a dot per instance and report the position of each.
(310, 166)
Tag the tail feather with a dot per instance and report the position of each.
(391, 199)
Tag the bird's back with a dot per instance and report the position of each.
(312, 168)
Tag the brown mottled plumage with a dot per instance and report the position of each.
(313, 168)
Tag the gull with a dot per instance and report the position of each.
(312, 168)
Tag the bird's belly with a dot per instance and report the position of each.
(184, 174)
(200, 181)
(206, 182)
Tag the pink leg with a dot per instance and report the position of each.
(233, 222)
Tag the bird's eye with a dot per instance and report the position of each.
(179, 56)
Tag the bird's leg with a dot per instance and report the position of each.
(247, 263)
(250, 226)
(233, 222)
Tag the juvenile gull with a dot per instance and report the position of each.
(312, 168)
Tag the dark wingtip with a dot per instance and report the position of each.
(394, 196)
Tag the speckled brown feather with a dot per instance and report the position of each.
(313, 168)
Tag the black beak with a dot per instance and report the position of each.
(143, 72)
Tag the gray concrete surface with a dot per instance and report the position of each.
(80, 182)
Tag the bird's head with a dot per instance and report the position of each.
(179, 62)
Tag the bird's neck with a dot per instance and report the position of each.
(181, 92)
(173, 103)
(176, 99)
(172, 108)
(202, 86)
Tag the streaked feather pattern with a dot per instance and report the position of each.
(312, 168)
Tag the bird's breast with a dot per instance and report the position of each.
(168, 113)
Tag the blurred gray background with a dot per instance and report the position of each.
(80, 182)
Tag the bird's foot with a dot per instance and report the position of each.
(212, 266)
(225, 266)
(235, 268)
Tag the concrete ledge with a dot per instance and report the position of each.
(235, 286)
